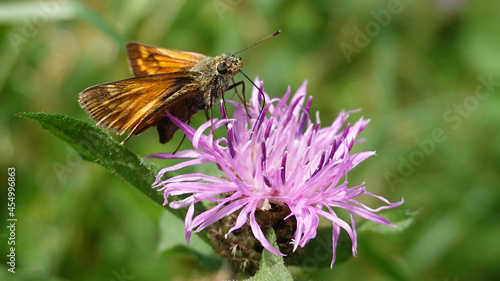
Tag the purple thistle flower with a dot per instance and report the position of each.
(279, 157)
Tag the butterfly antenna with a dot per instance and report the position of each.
(256, 43)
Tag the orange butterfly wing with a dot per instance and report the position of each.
(138, 103)
(147, 60)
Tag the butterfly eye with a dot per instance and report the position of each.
(222, 68)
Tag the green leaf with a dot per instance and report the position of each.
(401, 218)
(95, 145)
(272, 267)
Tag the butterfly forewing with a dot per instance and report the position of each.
(146, 60)
(134, 104)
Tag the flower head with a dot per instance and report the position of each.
(275, 156)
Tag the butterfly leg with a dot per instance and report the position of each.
(179, 146)
(241, 97)
(211, 117)
(235, 85)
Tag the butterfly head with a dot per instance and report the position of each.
(228, 65)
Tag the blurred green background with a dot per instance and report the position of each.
(427, 73)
